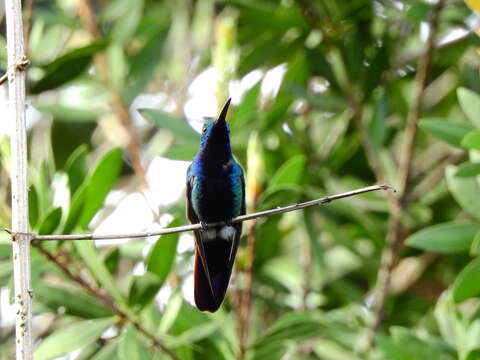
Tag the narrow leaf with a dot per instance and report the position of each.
(162, 255)
(143, 289)
(72, 337)
(100, 183)
(472, 140)
(468, 169)
(51, 221)
(97, 268)
(75, 303)
(450, 237)
(465, 190)
(466, 284)
(67, 67)
(452, 133)
(130, 347)
(470, 103)
(76, 168)
(178, 127)
(290, 172)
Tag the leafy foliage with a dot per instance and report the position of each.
(319, 88)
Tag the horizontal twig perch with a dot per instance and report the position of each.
(246, 217)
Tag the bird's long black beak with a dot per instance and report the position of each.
(223, 114)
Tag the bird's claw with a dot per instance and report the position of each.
(203, 225)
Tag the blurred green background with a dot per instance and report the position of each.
(322, 91)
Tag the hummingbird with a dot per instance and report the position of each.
(215, 193)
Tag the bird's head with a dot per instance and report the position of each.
(215, 141)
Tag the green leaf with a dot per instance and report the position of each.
(89, 197)
(194, 334)
(472, 140)
(465, 190)
(280, 195)
(473, 354)
(162, 255)
(72, 337)
(452, 133)
(178, 127)
(475, 247)
(5, 251)
(374, 72)
(391, 349)
(76, 168)
(466, 284)
(67, 67)
(51, 221)
(42, 187)
(107, 352)
(69, 113)
(126, 15)
(313, 236)
(450, 237)
(97, 268)
(292, 327)
(143, 64)
(75, 303)
(33, 210)
(290, 172)
(418, 11)
(130, 347)
(75, 210)
(468, 169)
(101, 182)
(112, 260)
(378, 125)
(470, 103)
(143, 289)
(117, 64)
(185, 152)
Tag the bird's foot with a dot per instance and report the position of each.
(203, 226)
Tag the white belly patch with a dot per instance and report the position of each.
(227, 233)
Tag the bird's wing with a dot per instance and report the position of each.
(236, 240)
(197, 234)
(191, 215)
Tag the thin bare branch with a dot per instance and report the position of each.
(109, 303)
(184, 228)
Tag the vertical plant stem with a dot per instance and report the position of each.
(89, 23)
(246, 298)
(396, 230)
(18, 143)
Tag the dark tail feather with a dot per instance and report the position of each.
(217, 254)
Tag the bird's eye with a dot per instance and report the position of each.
(204, 130)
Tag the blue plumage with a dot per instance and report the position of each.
(215, 193)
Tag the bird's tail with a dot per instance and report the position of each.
(218, 254)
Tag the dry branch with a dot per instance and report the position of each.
(109, 303)
(242, 218)
(396, 230)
